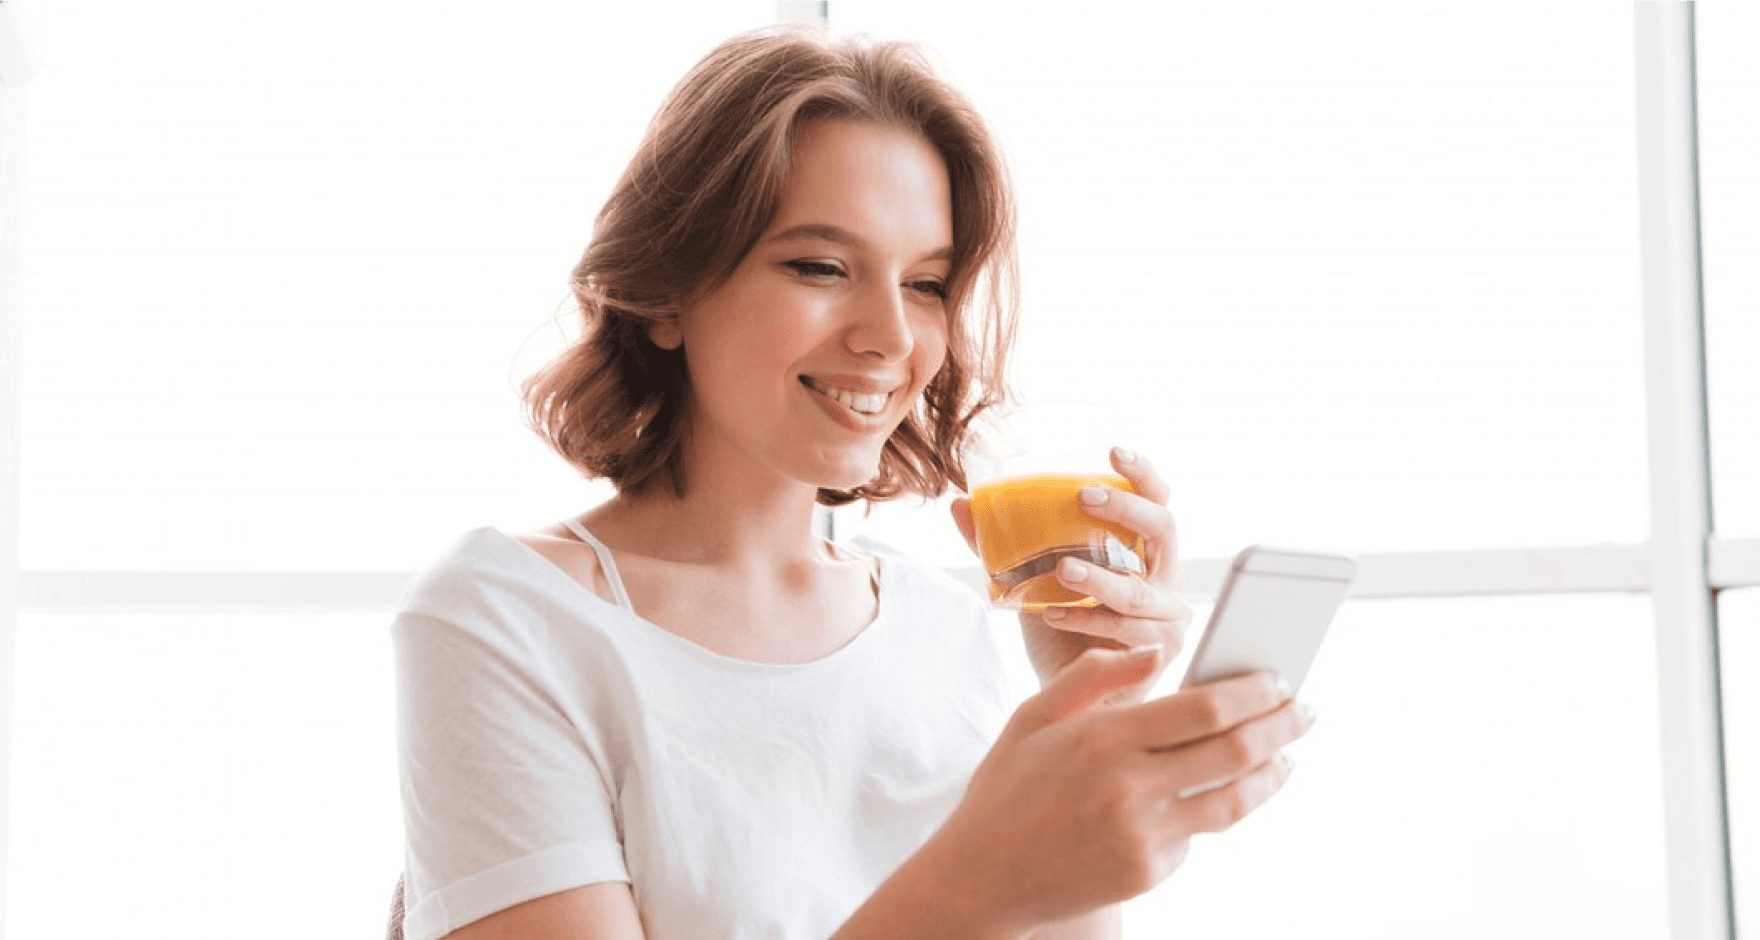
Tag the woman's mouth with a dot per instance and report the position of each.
(862, 403)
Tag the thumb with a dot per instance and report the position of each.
(1089, 678)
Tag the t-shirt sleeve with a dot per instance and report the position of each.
(503, 797)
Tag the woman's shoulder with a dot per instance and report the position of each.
(484, 570)
(565, 550)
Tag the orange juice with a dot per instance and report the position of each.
(1026, 525)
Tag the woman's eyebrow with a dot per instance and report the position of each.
(821, 231)
(843, 236)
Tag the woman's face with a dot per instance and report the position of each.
(806, 359)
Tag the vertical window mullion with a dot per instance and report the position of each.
(1701, 905)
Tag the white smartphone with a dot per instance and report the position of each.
(1272, 614)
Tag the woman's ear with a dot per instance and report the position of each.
(666, 334)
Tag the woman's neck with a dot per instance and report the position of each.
(715, 523)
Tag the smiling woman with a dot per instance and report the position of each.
(707, 187)
(826, 334)
(683, 713)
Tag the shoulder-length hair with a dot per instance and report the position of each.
(703, 186)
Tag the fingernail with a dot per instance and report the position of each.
(1074, 570)
(1307, 712)
(1283, 689)
(1092, 495)
(1124, 454)
(1054, 614)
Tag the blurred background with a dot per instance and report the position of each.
(1365, 278)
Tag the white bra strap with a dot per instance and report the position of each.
(606, 564)
(859, 550)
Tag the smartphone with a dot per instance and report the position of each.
(1272, 614)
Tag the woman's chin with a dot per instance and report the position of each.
(847, 475)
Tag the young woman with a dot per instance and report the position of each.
(682, 715)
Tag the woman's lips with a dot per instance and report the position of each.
(860, 394)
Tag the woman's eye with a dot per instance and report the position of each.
(813, 269)
(930, 288)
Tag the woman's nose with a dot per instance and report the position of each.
(882, 326)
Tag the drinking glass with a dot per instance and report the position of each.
(1025, 469)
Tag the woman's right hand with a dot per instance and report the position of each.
(1079, 804)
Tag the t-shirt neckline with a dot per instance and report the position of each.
(882, 607)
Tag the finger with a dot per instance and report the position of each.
(1149, 519)
(1197, 713)
(962, 519)
(1216, 810)
(1127, 631)
(1234, 753)
(1087, 679)
(1163, 555)
(1127, 594)
(1137, 469)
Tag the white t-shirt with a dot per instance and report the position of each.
(549, 738)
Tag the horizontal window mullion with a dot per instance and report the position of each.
(1555, 570)
(209, 589)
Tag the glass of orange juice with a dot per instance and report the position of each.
(1025, 471)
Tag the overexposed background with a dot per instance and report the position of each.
(1359, 278)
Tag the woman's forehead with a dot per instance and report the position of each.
(867, 186)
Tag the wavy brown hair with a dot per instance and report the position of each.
(703, 186)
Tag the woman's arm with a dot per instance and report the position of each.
(593, 912)
(608, 912)
(1102, 924)
(1079, 805)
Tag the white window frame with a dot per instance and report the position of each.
(1682, 566)
(1696, 814)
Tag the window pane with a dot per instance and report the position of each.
(1738, 615)
(1729, 187)
(1361, 275)
(1485, 768)
(287, 265)
(204, 775)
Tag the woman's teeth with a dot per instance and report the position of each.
(855, 401)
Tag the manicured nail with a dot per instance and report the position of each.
(1074, 570)
(1092, 495)
(1124, 454)
(1054, 614)
(1283, 689)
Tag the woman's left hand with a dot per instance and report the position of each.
(1134, 609)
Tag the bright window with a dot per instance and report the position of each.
(1739, 622)
(218, 773)
(287, 265)
(1729, 184)
(1362, 276)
